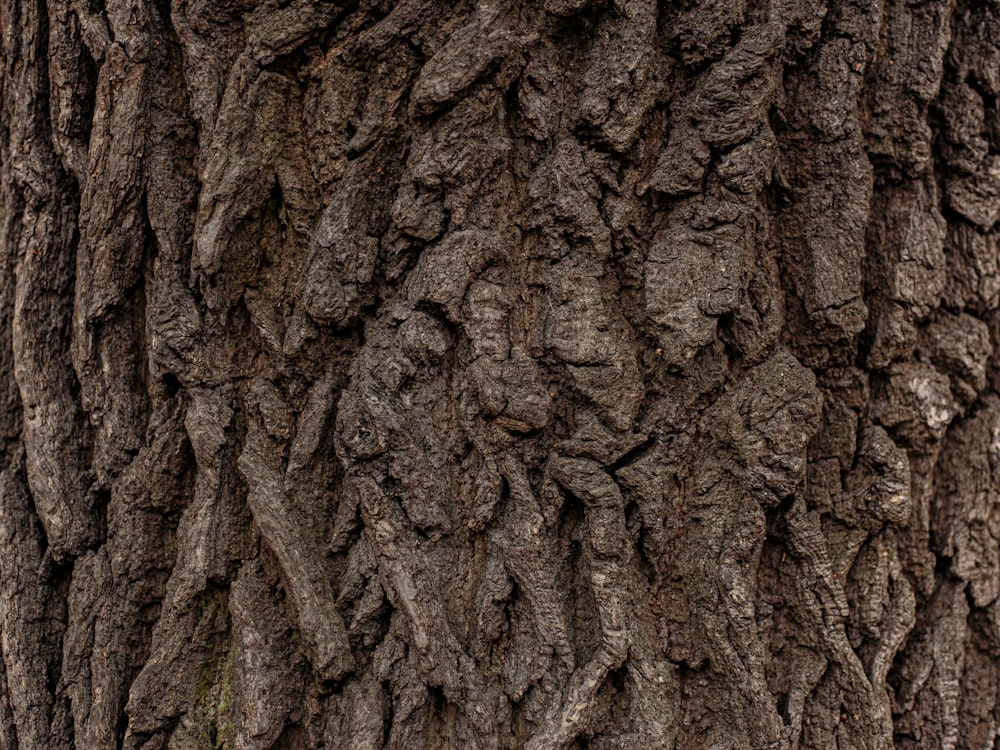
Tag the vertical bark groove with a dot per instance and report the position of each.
(585, 373)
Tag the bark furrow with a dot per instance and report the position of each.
(589, 373)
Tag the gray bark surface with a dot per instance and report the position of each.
(567, 374)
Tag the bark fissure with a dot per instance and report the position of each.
(586, 373)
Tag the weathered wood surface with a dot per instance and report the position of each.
(577, 374)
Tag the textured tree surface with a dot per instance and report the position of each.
(529, 374)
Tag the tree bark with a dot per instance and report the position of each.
(577, 374)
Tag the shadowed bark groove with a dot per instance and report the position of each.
(579, 374)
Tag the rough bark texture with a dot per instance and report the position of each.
(565, 374)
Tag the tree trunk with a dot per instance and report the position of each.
(440, 375)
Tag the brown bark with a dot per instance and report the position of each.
(513, 375)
